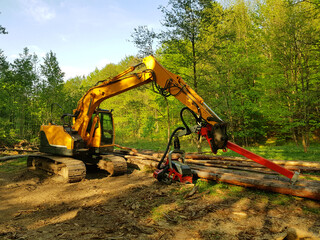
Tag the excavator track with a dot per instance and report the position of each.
(70, 169)
(115, 165)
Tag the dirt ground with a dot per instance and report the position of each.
(136, 206)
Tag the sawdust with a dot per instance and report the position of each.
(136, 206)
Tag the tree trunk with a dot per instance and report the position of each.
(305, 141)
(199, 147)
(168, 118)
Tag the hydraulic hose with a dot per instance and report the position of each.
(168, 146)
(198, 119)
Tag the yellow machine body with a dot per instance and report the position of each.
(89, 122)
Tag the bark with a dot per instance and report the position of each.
(303, 188)
(245, 176)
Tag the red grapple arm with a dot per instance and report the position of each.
(275, 167)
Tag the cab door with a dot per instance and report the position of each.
(107, 127)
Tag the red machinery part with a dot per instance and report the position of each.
(275, 167)
(175, 176)
(205, 131)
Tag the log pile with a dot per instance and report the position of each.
(243, 172)
(234, 170)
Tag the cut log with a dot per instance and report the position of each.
(240, 168)
(141, 163)
(239, 162)
(126, 148)
(143, 157)
(308, 168)
(302, 188)
(274, 183)
(115, 165)
(227, 163)
(224, 171)
(210, 157)
(242, 159)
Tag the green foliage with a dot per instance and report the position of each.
(256, 64)
(25, 94)
(3, 30)
(213, 188)
(143, 39)
(290, 33)
(187, 27)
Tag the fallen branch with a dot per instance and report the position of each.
(126, 148)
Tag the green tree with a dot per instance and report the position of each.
(22, 92)
(5, 105)
(187, 24)
(143, 39)
(72, 92)
(233, 72)
(3, 29)
(51, 71)
(291, 39)
(51, 85)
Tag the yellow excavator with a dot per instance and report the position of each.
(89, 138)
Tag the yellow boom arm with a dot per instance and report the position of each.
(127, 80)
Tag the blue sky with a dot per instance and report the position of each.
(84, 34)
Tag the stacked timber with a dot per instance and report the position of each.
(234, 170)
(243, 172)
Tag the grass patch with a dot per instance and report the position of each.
(161, 211)
(143, 144)
(13, 165)
(204, 186)
(311, 210)
(224, 190)
(219, 189)
(280, 199)
(236, 190)
(309, 176)
(209, 187)
(271, 197)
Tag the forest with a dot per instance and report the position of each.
(255, 63)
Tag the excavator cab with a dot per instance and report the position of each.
(107, 127)
(102, 132)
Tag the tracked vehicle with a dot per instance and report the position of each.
(88, 137)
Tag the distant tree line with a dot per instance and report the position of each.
(27, 90)
(256, 63)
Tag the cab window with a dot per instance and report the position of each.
(106, 128)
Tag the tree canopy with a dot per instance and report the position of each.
(255, 63)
